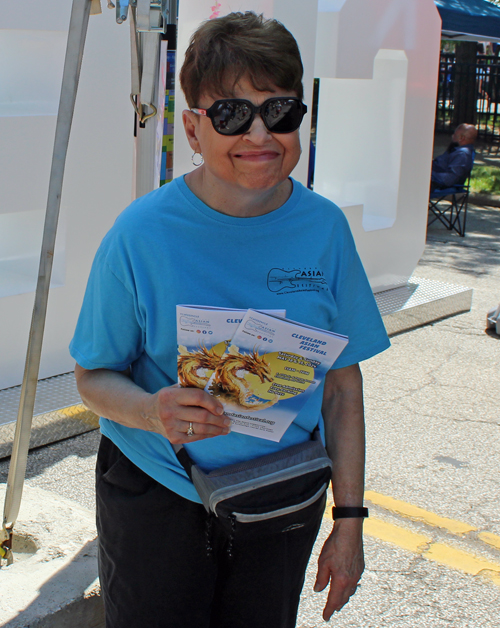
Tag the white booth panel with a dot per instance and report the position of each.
(368, 172)
(25, 156)
(380, 53)
(34, 15)
(31, 71)
(20, 244)
(300, 20)
(30, 84)
(98, 175)
(378, 64)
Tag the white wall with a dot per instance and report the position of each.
(377, 60)
(98, 175)
(378, 65)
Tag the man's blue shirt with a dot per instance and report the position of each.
(453, 167)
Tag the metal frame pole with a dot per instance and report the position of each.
(74, 53)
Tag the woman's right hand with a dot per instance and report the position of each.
(173, 410)
(169, 412)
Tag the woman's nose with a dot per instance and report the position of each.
(258, 132)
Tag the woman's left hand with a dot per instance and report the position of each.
(341, 564)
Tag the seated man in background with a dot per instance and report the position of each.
(454, 166)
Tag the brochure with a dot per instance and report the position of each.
(203, 334)
(268, 371)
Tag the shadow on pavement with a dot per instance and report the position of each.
(78, 575)
(40, 459)
(482, 241)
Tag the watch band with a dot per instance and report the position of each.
(345, 512)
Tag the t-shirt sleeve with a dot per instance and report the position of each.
(358, 314)
(109, 333)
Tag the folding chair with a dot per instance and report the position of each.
(449, 206)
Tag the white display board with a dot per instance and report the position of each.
(98, 178)
(377, 61)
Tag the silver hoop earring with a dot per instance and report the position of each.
(197, 163)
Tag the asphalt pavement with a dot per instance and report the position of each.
(433, 442)
(433, 445)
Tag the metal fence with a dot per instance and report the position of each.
(470, 93)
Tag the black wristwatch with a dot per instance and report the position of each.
(348, 512)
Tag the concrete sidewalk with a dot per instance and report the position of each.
(433, 441)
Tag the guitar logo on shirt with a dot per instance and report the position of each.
(279, 279)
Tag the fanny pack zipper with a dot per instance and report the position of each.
(244, 518)
(226, 493)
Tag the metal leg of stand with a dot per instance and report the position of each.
(74, 53)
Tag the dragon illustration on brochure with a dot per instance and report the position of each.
(230, 380)
(194, 368)
(203, 335)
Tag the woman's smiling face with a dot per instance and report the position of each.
(257, 160)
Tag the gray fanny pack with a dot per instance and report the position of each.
(268, 494)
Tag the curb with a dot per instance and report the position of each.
(87, 612)
(484, 200)
(53, 580)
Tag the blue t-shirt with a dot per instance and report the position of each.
(169, 248)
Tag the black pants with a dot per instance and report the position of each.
(156, 572)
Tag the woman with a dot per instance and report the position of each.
(212, 238)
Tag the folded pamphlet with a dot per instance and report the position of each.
(268, 371)
(203, 334)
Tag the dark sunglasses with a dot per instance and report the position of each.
(234, 116)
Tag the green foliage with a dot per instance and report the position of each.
(485, 180)
(448, 45)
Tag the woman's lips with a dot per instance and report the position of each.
(266, 155)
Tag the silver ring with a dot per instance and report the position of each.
(190, 431)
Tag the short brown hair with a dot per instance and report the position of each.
(224, 50)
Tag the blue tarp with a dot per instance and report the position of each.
(476, 20)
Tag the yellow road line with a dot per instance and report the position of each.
(491, 539)
(396, 535)
(418, 514)
(436, 552)
(458, 559)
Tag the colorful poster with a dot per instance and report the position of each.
(167, 155)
